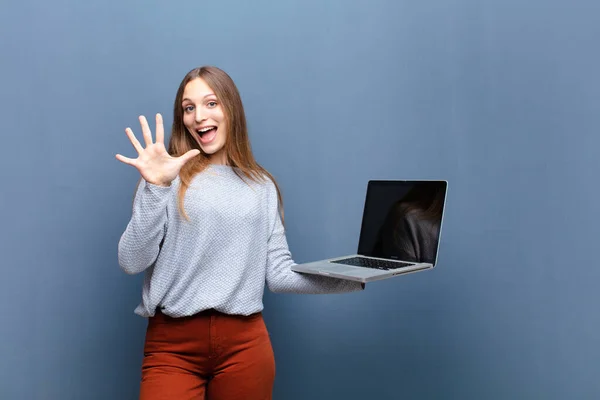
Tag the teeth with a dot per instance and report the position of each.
(206, 129)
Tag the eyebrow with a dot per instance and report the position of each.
(208, 95)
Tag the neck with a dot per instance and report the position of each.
(219, 158)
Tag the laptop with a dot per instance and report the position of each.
(400, 232)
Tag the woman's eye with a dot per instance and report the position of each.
(189, 108)
(212, 103)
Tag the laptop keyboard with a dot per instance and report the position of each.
(372, 263)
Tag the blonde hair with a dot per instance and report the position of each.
(237, 146)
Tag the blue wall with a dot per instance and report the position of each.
(501, 98)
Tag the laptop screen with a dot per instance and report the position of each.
(402, 220)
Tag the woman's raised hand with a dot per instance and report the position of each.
(155, 164)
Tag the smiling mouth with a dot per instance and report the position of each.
(206, 130)
(207, 134)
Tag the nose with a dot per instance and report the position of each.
(199, 115)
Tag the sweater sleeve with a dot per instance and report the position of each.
(139, 245)
(280, 277)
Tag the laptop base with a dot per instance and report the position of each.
(354, 273)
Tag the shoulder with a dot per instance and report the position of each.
(268, 182)
(271, 188)
(260, 181)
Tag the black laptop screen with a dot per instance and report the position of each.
(402, 220)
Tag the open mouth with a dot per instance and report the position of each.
(207, 134)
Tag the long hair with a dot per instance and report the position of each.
(237, 145)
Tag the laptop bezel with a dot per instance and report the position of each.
(373, 182)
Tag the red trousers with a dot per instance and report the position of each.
(210, 356)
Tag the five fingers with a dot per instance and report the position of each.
(160, 137)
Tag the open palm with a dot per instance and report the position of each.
(155, 164)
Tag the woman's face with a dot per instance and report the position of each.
(204, 119)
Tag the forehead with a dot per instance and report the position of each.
(197, 89)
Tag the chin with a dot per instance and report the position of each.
(210, 150)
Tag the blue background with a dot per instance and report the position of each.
(499, 97)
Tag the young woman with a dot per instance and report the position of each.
(207, 230)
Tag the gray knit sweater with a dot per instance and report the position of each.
(221, 258)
